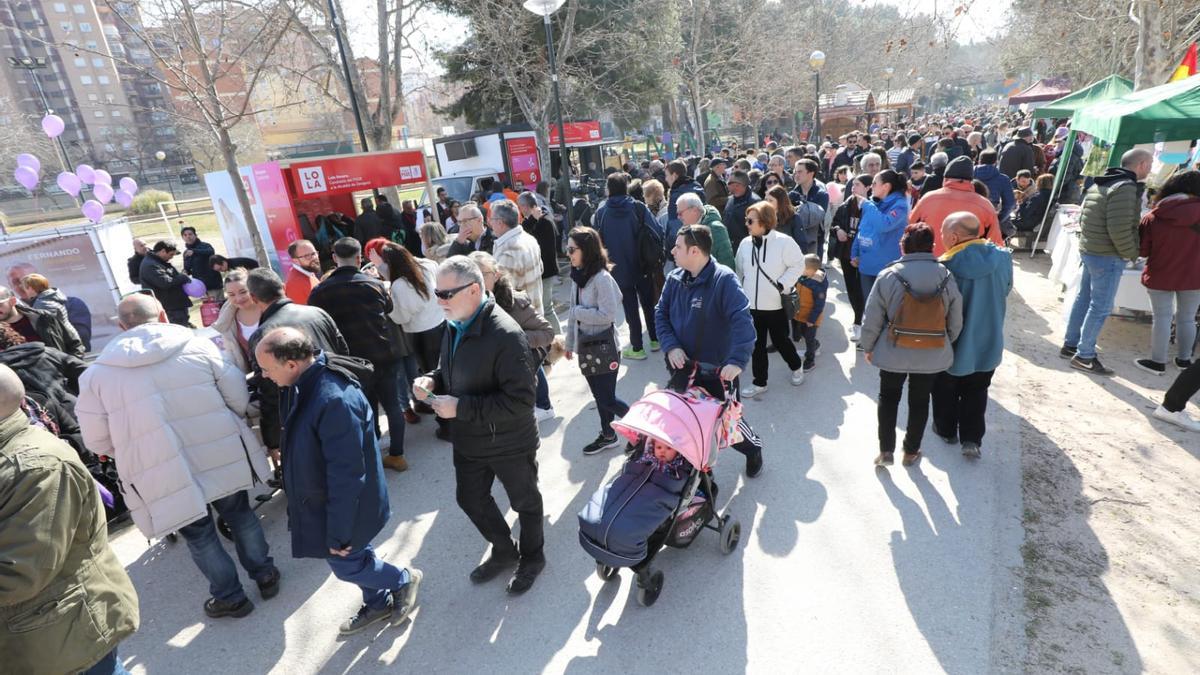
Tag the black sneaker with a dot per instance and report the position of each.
(1067, 352)
(1183, 364)
(404, 599)
(603, 442)
(754, 464)
(217, 609)
(268, 587)
(527, 573)
(494, 565)
(950, 439)
(809, 364)
(1091, 365)
(364, 618)
(1151, 366)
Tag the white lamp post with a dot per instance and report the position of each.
(816, 61)
(545, 8)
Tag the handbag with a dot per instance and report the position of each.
(598, 354)
(789, 298)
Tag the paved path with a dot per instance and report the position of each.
(841, 568)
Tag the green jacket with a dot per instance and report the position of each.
(722, 248)
(1110, 215)
(65, 600)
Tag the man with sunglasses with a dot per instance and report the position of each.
(484, 387)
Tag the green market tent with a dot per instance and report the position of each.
(1110, 87)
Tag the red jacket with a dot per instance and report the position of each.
(955, 195)
(298, 285)
(1170, 242)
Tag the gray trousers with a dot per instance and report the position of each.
(1182, 305)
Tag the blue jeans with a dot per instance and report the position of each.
(248, 539)
(604, 390)
(376, 578)
(389, 391)
(868, 282)
(1097, 290)
(543, 390)
(109, 665)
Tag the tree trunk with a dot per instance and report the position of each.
(228, 152)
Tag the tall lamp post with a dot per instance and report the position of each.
(816, 61)
(887, 97)
(162, 157)
(545, 8)
(32, 64)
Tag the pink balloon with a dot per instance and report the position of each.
(27, 177)
(93, 210)
(124, 198)
(129, 185)
(103, 192)
(195, 288)
(53, 125)
(101, 176)
(26, 159)
(86, 174)
(69, 183)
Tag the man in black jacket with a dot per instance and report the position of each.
(196, 257)
(360, 305)
(538, 223)
(140, 251)
(369, 224)
(484, 385)
(473, 232)
(37, 325)
(735, 209)
(221, 265)
(166, 282)
(266, 290)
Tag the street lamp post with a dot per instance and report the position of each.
(545, 8)
(887, 97)
(32, 64)
(816, 61)
(162, 157)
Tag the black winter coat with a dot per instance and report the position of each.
(52, 379)
(492, 373)
(359, 306)
(487, 243)
(53, 331)
(197, 266)
(135, 267)
(369, 226)
(166, 282)
(735, 217)
(1016, 155)
(544, 231)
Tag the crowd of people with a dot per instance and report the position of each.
(715, 261)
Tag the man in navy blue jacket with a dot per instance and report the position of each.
(703, 317)
(618, 220)
(337, 500)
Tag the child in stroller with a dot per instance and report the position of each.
(665, 493)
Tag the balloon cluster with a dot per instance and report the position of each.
(29, 172)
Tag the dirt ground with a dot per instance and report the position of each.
(1112, 570)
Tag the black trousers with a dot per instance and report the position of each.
(773, 323)
(750, 443)
(809, 332)
(853, 286)
(1184, 387)
(427, 347)
(959, 405)
(639, 295)
(179, 317)
(518, 475)
(891, 387)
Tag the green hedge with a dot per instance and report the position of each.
(147, 201)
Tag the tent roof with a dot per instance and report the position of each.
(1042, 90)
(1110, 87)
(894, 98)
(1169, 112)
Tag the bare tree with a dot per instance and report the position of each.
(19, 133)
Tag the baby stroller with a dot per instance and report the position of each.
(644, 508)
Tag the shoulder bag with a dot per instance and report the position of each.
(598, 354)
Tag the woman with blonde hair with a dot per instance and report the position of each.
(655, 196)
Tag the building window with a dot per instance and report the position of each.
(97, 62)
(80, 62)
(85, 27)
(116, 113)
(98, 113)
(103, 79)
(65, 26)
(85, 79)
(60, 7)
(93, 98)
(79, 9)
(91, 44)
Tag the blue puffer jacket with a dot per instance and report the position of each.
(678, 190)
(617, 220)
(713, 304)
(983, 272)
(1000, 190)
(331, 466)
(879, 230)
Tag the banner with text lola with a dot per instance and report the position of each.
(353, 173)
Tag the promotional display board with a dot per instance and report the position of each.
(233, 226)
(352, 173)
(523, 160)
(279, 218)
(577, 132)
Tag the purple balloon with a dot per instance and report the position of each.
(53, 125)
(86, 174)
(26, 159)
(103, 192)
(27, 177)
(129, 185)
(69, 183)
(123, 198)
(101, 176)
(195, 288)
(93, 210)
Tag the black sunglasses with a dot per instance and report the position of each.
(451, 292)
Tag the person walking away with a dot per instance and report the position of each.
(331, 458)
(538, 332)
(789, 222)
(60, 579)
(1000, 190)
(811, 290)
(716, 191)
(161, 278)
(1170, 242)
(880, 229)
(704, 318)
(369, 223)
(845, 229)
(305, 271)
(164, 404)
(693, 211)
(538, 223)
(619, 221)
(360, 306)
(984, 276)
(196, 256)
(592, 326)
(768, 265)
(516, 251)
(734, 215)
(1018, 155)
(909, 155)
(914, 315)
(484, 385)
(1174, 403)
(957, 194)
(935, 174)
(1109, 236)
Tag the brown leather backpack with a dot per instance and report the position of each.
(921, 321)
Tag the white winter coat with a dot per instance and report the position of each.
(412, 312)
(780, 258)
(164, 404)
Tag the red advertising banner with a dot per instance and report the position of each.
(276, 205)
(523, 160)
(358, 172)
(577, 132)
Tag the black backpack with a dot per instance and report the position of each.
(651, 254)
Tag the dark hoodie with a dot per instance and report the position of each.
(1170, 242)
(617, 220)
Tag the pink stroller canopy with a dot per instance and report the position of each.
(690, 425)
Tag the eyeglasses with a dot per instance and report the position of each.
(572, 249)
(306, 256)
(451, 292)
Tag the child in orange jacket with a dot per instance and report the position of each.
(811, 289)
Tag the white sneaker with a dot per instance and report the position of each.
(797, 377)
(855, 332)
(543, 414)
(753, 391)
(1180, 419)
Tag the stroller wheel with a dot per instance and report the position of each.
(606, 572)
(648, 594)
(731, 532)
(172, 537)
